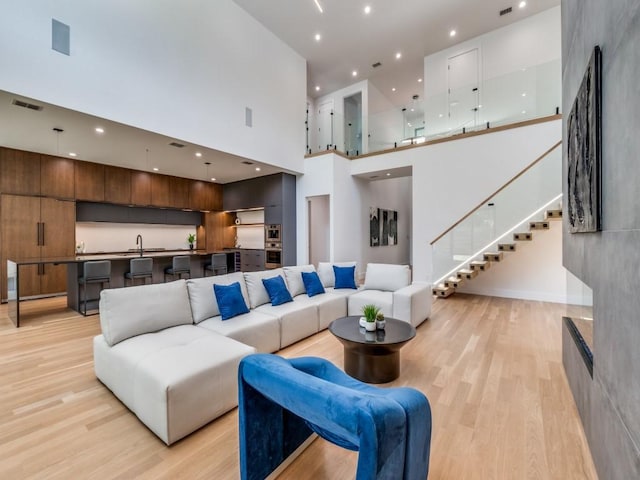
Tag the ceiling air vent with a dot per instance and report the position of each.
(30, 106)
(247, 163)
(176, 144)
(376, 65)
(505, 11)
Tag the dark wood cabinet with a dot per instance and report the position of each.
(117, 185)
(89, 181)
(179, 192)
(19, 172)
(57, 177)
(160, 195)
(200, 195)
(34, 228)
(140, 188)
(220, 231)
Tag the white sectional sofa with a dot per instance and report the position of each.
(166, 353)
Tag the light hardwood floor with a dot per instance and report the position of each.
(491, 368)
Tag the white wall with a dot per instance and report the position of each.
(391, 194)
(184, 70)
(319, 229)
(533, 272)
(386, 122)
(120, 237)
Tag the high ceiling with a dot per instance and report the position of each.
(352, 40)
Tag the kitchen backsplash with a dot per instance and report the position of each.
(120, 237)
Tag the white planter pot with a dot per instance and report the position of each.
(363, 322)
(370, 326)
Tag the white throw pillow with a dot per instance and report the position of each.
(293, 276)
(328, 278)
(257, 293)
(203, 299)
(386, 277)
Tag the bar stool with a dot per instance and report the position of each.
(180, 265)
(218, 265)
(98, 271)
(139, 268)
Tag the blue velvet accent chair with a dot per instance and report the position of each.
(283, 401)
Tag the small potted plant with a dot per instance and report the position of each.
(370, 313)
(380, 321)
(191, 239)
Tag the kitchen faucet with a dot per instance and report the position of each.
(139, 238)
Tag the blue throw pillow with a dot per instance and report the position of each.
(312, 283)
(277, 290)
(230, 300)
(345, 277)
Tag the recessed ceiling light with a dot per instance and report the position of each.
(318, 5)
(524, 111)
(257, 169)
(354, 73)
(318, 37)
(388, 174)
(522, 4)
(440, 116)
(213, 179)
(99, 130)
(198, 154)
(419, 80)
(155, 169)
(367, 9)
(409, 123)
(393, 89)
(398, 56)
(317, 88)
(413, 110)
(452, 33)
(73, 154)
(524, 94)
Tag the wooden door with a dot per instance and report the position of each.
(20, 217)
(59, 220)
(19, 172)
(117, 185)
(89, 181)
(140, 188)
(57, 177)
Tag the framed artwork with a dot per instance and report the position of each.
(383, 227)
(584, 165)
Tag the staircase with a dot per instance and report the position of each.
(475, 267)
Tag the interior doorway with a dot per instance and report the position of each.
(353, 124)
(319, 228)
(325, 125)
(463, 90)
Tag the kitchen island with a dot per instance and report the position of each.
(119, 265)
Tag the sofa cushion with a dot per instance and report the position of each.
(345, 277)
(257, 293)
(330, 306)
(325, 272)
(260, 330)
(297, 321)
(294, 278)
(382, 300)
(175, 380)
(230, 300)
(312, 283)
(127, 312)
(202, 298)
(277, 290)
(386, 277)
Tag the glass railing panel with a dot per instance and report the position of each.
(327, 133)
(524, 199)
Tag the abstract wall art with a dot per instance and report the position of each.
(383, 227)
(584, 152)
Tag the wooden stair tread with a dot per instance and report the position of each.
(480, 265)
(443, 291)
(554, 214)
(453, 282)
(467, 273)
(544, 225)
(523, 236)
(493, 256)
(507, 247)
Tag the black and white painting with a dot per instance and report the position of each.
(584, 151)
(383, 227)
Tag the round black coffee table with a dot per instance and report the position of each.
(372, 357)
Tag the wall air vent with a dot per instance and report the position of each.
(505, 11)
(30, 106)
(176, 144)
(376, 65)
(245, 162)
